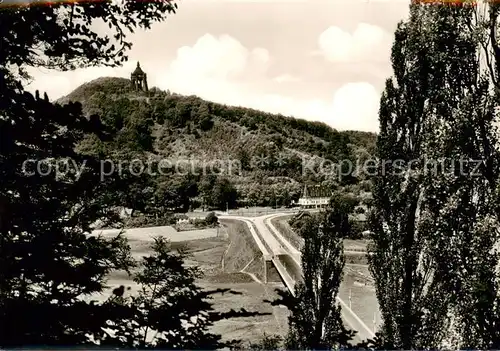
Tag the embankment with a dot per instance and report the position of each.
(242, 253)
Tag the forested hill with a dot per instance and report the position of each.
(270, 148)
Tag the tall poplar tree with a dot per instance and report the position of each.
(461, 197)
(434, 217)
(315, 321)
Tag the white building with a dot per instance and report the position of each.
(315, 197)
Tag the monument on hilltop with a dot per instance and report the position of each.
(139, 79)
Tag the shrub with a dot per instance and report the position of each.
(368, 202)
(211, 219)
(357, 229)
(143, 221)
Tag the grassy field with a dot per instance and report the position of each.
(355, 245)
(363, 299)
(243, 253)
(283, 226)
(356, 258)
(235, 248)
(241, 249)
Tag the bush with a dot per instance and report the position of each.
(198, 223)
(357, 229)
(206, 124)
(211, 219)
(297, 221)
(181, 217)
(268, 342)
(368, 202)
(143, 221)
(352, 201)
(367, 235)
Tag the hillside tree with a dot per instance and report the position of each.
(462, 201)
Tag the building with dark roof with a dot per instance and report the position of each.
(139, 79)
(315, 197)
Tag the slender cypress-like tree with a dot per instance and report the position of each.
(461, 197)
(433, 219)
(47, 261)
(315, 316)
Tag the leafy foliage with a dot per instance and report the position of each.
(61, 36)
(170, 311)
(48, 263)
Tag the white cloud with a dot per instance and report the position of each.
(286, 78)
(215, 68)
(355, 106)
(367, 43)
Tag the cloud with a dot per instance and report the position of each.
(368, 43)
(286, 78)
(355, 106)
(217, 69)
(220, 58)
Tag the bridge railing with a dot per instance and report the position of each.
(287, 279)
(291, 267)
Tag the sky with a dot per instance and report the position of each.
(321, 60)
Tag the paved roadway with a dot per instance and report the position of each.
(266, 225)
(279, 246)
(351, 319)
(255, 223)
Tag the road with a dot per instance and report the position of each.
(279, 246)
(255, 224)
(351, 319)
(276, 247)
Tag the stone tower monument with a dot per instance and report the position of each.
(139, 79)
